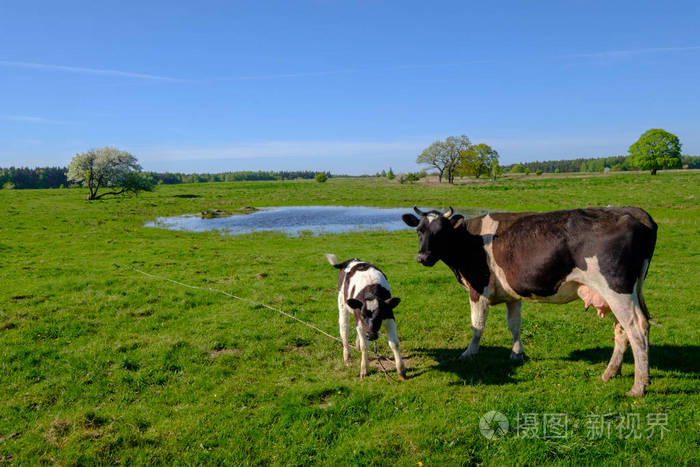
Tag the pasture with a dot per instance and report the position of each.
(99, 364)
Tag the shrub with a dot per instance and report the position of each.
(321, 178)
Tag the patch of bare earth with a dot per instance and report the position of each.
(58, 432)
(217, 353)
(389, 364)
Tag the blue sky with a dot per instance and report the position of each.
(346, 86)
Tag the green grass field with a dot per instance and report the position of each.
(99, 364)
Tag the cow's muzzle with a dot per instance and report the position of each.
(372, 336)
(426, 260)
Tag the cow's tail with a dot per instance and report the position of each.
(645, 269)
(332, 259)
(640, 284)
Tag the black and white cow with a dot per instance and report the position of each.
(364, 292)
(600, 255)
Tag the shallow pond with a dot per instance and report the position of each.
(297, 220)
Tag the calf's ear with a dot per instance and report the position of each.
(410, 220)
(393, 302)
(354, 303)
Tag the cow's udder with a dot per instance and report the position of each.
(590, 298)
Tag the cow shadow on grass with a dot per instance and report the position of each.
(682, 358)
(490, 366)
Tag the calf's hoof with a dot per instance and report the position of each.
(347, 361)
(517, 358)
(635, 392)
(402, 375)
(607, 374)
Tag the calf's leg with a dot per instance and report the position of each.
(479, 311)
(343, 324)
(390, 326)
(363, 350)
(513, 316)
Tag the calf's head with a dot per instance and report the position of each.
(371, 313)
(435, 230)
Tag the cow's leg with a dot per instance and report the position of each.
(514, 320)
(621, 342)
(344, 325)
(479, 312)
(390, 326)
(363, 350)
(629, 313)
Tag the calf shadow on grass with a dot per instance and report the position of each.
(491, 365)
(682, 358)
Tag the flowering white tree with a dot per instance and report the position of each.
(108, 168)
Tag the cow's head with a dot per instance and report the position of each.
(371, 313)
(435, 230)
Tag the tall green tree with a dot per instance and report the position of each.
(456, 145)
(479, 159)
(656, 149)
(435, 156)
(108, 168)
(445, 156)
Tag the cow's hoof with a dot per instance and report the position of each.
(466, 355)
(402, 375)
(635, 392)
(348, 362)
(517, 358)
(363, 374)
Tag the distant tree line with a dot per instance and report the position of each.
(40, 177)
(580, 164)
(56, 177)
(597, 164)
(170, 178)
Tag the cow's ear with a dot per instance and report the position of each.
(457, 220)
(410, 220)
(354, 303)
(393, 302)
